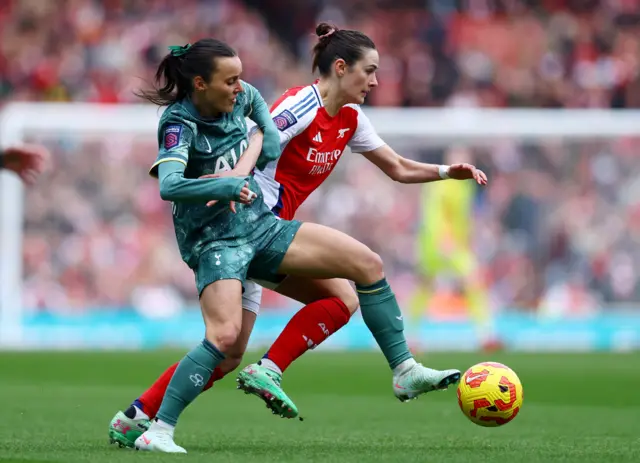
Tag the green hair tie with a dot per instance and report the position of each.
(177, 50)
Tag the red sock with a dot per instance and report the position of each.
(308, 328)
(152, 397)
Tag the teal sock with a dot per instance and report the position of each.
(383, 317)
(193, 372)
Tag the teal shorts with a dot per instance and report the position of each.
(259, 259)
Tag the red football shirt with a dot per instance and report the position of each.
(312, 143)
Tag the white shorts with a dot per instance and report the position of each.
(252, 294)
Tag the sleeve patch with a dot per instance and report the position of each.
(172, 136)
(284, 120)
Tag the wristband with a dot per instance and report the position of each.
(443, 172)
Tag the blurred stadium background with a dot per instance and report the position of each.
(550, 247)
(542, 94)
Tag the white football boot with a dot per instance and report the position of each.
(412, 379)
(158, 438)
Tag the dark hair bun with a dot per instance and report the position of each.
(324, 28)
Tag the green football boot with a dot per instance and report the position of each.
(265, 383)
(124, 431)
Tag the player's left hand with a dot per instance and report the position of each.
(28, 161)
(466, 171)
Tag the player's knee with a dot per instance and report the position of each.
(224, 336)
(350, 299)
(233, 357)
(230, 363)
(370, 268)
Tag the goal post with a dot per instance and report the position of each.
(23, 121)
(11, 219)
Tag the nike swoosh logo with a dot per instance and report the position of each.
(399, 318)
(208, 145)
(470, 379)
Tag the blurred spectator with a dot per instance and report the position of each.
(551, 53)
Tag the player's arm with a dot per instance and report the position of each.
(175, 138)
(367, 142)
(405, 170)
(259, 113)
(28, 161)
(176, 188)
(293, 114)
(249, 158)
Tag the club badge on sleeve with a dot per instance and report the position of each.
(172, 136)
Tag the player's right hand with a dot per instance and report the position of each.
(28, 161)
(246, 197)
(245, 193)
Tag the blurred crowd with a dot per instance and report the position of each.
(554, 231)
(501, 53)
(102, 51)
(532, 53)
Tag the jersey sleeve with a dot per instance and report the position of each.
(294, 113)
(251, 92)
(259, 113)
(365, 137)
(174, 140)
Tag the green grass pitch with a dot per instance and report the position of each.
(55, 407)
